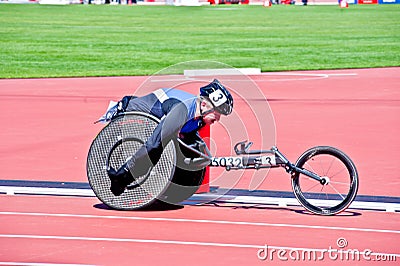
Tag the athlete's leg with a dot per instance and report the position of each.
(149, 154)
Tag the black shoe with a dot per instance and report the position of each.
(119, 179)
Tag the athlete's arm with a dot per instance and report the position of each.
(148, 155)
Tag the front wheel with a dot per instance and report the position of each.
(338, 188)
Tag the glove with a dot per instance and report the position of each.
(119, 179)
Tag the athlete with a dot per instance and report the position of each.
(182, 114)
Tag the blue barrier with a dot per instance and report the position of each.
(389, 1)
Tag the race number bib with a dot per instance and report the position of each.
(217, 98)
(268, 160)
(227, 161)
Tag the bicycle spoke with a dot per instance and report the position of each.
(340, 189)
(320, 166)
(338, 173)
(310, 166)
(326, 194)
(336, 191)
(310, 188)
(339, 183)
(330, 166)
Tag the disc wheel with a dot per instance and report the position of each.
(339, 184)
(168, 182)
(114, 144)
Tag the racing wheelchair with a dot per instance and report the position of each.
(324, 179)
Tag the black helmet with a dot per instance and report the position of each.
(219, 96)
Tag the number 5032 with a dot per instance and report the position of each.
(227, 161)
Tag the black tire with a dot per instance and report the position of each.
(120, 139)
(186, 181)
(340, 172)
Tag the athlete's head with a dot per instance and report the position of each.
(216, 101)
(219, 97)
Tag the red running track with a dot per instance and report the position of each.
(48, 129)
(48, 123)
(63, 230)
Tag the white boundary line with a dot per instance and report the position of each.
(203, 198)
(221, 71)
(10, 190)
(284, 202)
(205, 221)
(307, 74)
(40, 264)
(187, 243)
(301, 76)
(250, 72)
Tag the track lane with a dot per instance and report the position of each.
(362, 102)
(355, 109)
(185, 232)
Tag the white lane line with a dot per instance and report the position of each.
(301, 76)
(188, 243)
(293, 77)
(160, 219)
(279, 201)
(132, 240)
(310, 74)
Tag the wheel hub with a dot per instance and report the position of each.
(324, 180)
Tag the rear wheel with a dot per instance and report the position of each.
(116, 142)
(339, 184)
(167, 182)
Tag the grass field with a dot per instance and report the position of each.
(81, 40)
